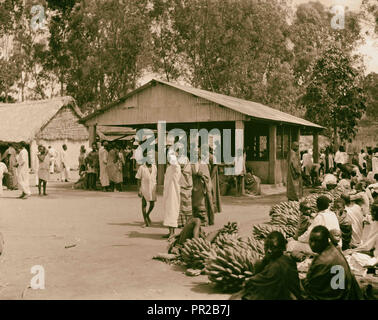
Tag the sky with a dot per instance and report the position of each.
(370, 48)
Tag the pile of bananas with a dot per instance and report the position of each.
(260, 231)
(229, 228)
(195, 252)
(229, 267)
(285, 213)
(224, 240)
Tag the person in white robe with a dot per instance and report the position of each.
(103, 161)
(23, 171)
(65, 169)
(171, 194)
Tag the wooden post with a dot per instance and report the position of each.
(272, 153)
(316, 147)
(92, 134)
(239, 124)
(33, 155)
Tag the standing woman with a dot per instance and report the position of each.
(43, 169)
(186, 186)
(103, 160)
(171, 194)
(82, 156)
(294, 178)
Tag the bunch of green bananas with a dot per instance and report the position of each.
(260, 231)
(229, 228)
(195, 252)
(229, 267)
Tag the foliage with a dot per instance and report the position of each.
(334, 96)
(371, 90)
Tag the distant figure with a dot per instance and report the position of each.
(214, 174)
(146, 177)
(252, 183)
(341, 156)
(92, 165)
(65, 169)
(53, 157)
(9, 158)
(82, 156)
(362, 161)
(294, 178)
(3, 169)
(103, 160)
(43, 169)
(114, 168)
(23, 170)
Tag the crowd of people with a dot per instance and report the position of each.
(15, 168)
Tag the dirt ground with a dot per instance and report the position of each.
(109, 254)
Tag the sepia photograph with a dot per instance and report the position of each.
(202, 151)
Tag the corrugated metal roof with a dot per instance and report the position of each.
(22, 121)
(250, 108)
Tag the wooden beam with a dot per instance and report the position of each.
(92, 134)
(272, 153)
(316, 147)
(239, 124)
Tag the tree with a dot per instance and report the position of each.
(334, 97)
(236, 48)
(371, 90)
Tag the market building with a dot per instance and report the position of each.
(268, 133)
(50, 122)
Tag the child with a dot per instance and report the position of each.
(146, 176)
(44, 169)
(3, 169)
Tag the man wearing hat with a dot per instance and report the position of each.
(294, 174)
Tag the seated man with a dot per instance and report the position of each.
(325, 217)
(276, 276)
(345, 224)
(252, 183)
(329, 276)
(371, 244)
(329, 181)
(345, 181)
(304, 220)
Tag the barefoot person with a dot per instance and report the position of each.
(43, 169)
(171, 194)
(23, 170)
(146, 176)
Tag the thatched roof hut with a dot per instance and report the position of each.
(52, 121)
(25, 121)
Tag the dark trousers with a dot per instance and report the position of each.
(91, 181)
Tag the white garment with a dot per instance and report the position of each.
(344, 183)
(361, 159)
(23, 171)
(53, 156)
(171, 195)
(147, 182)
(341, 157)
(355, 216)
(3, 169)
(374, 162)
(325, 218)
(65, 172)
(103, 160)
(329, 178)
(365, 206)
